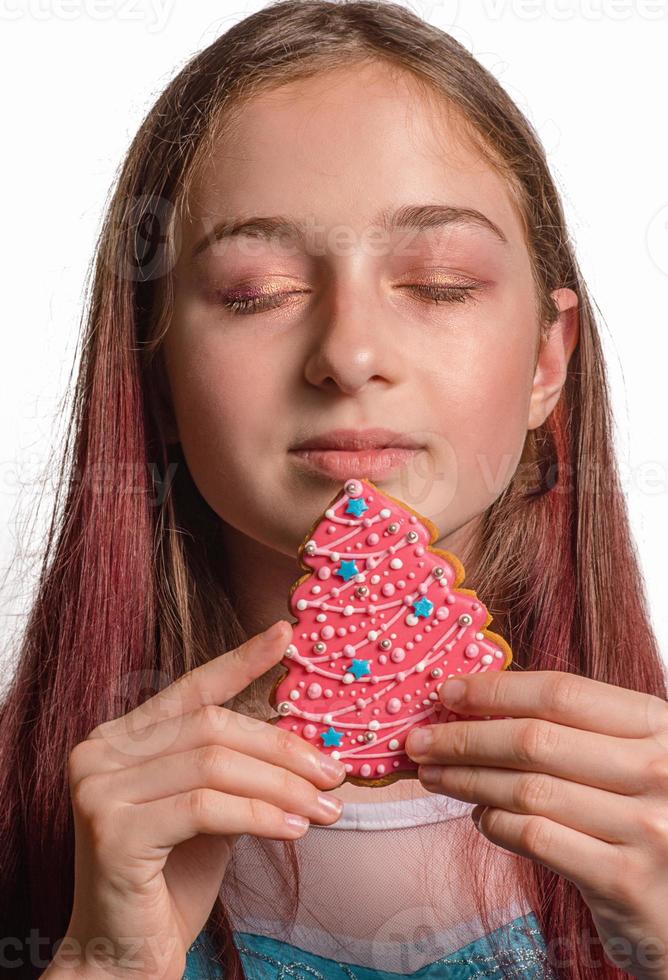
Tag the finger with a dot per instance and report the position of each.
(214, 682)
(610, 817)
(541, 746)
(149, 828)
(211, 725)
(222, 769)
(589, 863)
(562, 697)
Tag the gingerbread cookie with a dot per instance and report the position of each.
(381, 624)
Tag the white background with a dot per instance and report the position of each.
(77, 78)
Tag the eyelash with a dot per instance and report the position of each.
(435, 294)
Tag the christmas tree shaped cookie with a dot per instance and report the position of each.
(381, 624)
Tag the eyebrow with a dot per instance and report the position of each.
(416, 216)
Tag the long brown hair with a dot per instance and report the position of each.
(132, 590)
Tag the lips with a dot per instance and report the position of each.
(358, 440)
(342, 464)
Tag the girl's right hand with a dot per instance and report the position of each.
(158, 805)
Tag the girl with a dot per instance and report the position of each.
(333, 217)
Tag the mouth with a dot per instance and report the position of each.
(340, 464)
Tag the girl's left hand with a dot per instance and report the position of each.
(575, 776)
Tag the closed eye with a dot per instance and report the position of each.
(430, 293)
(446, 294)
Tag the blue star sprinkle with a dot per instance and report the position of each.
(348, 569)
(356, 506)
(359, 668)
(331, 737)
(423, 607)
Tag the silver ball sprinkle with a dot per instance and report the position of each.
(412, 536)
(361, 590)
(436, 672)
(320, 647)
(369, 736)
(438, 572)
(393, 528)
(385, 644)
(465, 620)
(309, 549)
(351, 488)
(284, 708)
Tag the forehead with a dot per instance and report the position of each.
(341, 147)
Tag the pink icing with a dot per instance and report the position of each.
(381, 601)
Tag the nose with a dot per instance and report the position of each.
(353, 340)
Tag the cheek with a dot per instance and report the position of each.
(222, 387)
(484, 396)
(222, 399)
(226, 432)
(222, 416)
(494, 432)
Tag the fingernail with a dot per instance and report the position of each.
(330, 805)
(275, 631)
(332, 768)
(420, 739)
(452, 691)
(296, 821)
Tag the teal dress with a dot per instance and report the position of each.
(263, 958)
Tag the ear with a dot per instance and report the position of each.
(163, 403)
(553, 356)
